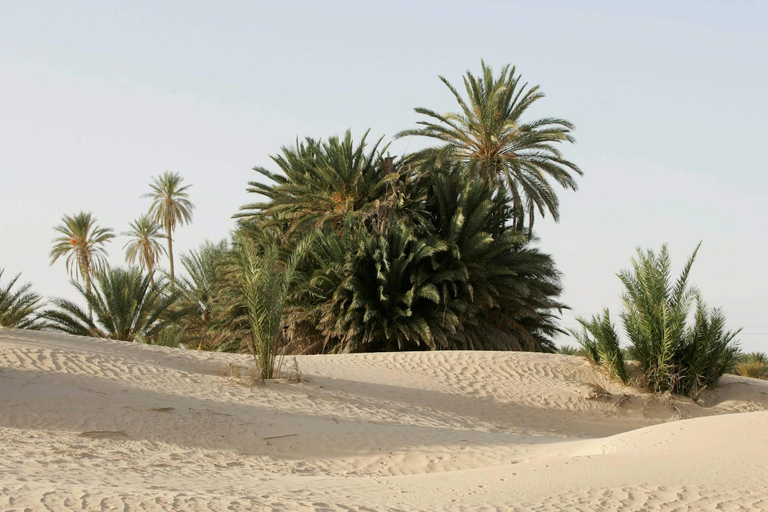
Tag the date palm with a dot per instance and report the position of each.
(127, 304)
(18, 308)
(463, 281)
(266, 275)
(82, 243)
(170, 207)
(144, 246)
(324, 181)
(490, 138)
(202, 292)
(673, 354)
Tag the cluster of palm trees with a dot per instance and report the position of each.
(350, 249)
(430, 250)
(127, 302)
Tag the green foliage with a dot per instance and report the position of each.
(169, 336)
(568, 350)
(144, 244)
(203, 294)
(324, 182)
(266, 276)
(170, 207)
(127, 304)
(489, 138)
(600, 342)
(460, 280)
(672, 356)
(752, 364)
(82, 243)
(421, 252)
(375, 292)
(19, 308)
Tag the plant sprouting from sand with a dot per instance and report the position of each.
(672, 355)
(266, 273)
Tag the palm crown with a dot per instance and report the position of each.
(144, 246)
(170, 206)
(490, 139)
(126, 302)
(82, 243)
(323, 182)
(18, 308)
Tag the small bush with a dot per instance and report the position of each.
(753, 364)
(568, 350)
(672, 356)
(600, 341)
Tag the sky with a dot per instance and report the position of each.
(668, 99)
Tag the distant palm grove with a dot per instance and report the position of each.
(345, 248)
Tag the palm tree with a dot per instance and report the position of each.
(202, 292)
(19, 308)
(322, 182)
(490, 139)
(144, 246)
(82, 242)
(170, 207)
(126, 302)
(673, 355)
(462, 281)
(267, 273)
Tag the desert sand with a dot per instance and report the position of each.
(90, 424)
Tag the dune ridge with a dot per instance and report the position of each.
(90, 424)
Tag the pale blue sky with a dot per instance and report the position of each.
(668, 99)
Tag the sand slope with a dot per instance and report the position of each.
(89, 424)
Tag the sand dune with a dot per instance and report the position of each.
(89, 424)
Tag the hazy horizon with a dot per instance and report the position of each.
(667, 99)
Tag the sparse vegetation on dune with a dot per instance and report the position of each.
(349, 249)
(673, 355)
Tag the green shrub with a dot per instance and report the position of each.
(672, 356)
(600, 342)
(568, 350)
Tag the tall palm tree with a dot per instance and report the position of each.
(127, 306)
(82, 243)
(144, 245)
(489, 137)
(170, 207)
(18, 308)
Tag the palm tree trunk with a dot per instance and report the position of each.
(85, 271)
(170, 257)
(530, 218)
(88, 287)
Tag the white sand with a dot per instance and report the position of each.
(89, 424)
